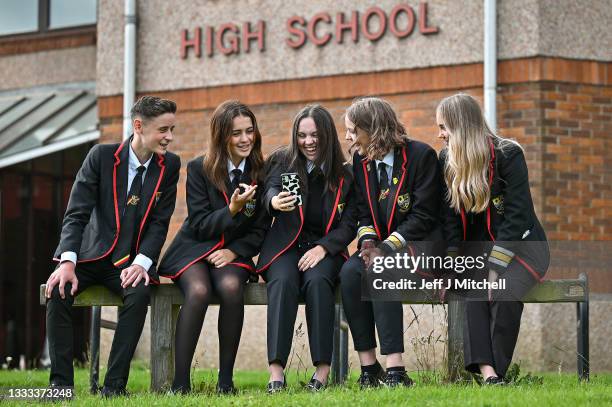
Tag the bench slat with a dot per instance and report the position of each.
(255, 294)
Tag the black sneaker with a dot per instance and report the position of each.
(396, 378)
(494, 381)
(112, 392)
(371, 380)
(226, 389)
(315, 385)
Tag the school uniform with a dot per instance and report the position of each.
(398, 200)
(325, 218)
(210, 226)
(516, 248)
(117, 215)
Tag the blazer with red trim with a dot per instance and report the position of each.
(93, 217)
(510, 219)
(413, 202)
(210, 226)
(338, 207)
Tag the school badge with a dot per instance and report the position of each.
(157, 197)
(403, 201)
(498, 203)
(133, 200)
(249, 208)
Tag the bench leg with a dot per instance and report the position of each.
(582, 311)
(94, 346)
(335, 366)
(455, 320)
(163, 322)
(343, 348)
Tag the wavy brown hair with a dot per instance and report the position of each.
(221, 126)
(376, 117)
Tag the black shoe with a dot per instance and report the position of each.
(226, 389)
(179, 391)
(315, 385)
(369, 380)
(276, 386)
(494, 381)
(396, 378)
(112, 392)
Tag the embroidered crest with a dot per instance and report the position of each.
(157, 197)
(395, 180)
(498, 203)
(403, 201)
(341, 208)
(383, 195)
(249, 208)
(368, 167)
(133, 200)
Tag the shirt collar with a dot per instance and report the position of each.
(231, 166)
(135, 163)
(387, 159)
(310, 165)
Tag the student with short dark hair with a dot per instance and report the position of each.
(489, 207)
(306, 245)
(397, 184)
(113, 231)
(212, 252)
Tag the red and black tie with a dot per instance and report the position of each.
(129, 223)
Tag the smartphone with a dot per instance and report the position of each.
(291, 183)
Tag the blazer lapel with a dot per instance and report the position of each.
(150, 181)
(122, 176)
(397, 181)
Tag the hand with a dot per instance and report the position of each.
(284, 202)
(132, 275)
(368, 255)
(492, 278)
(64, 274)
(220, 258)
(312, 257)
(238, 200)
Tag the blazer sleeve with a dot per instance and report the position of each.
(206, 222)
(248, 245)
(159, 219)
(366, 230)
(453, 228)
(272, 183)
(83, 198)
(518, 209)
(343, 234)
(425, 211)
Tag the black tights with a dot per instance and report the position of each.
(198, 283)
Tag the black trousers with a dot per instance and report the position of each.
(364, 316)
(492, 327)
(129, 325)
(284, 283)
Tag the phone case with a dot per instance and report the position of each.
(291, 183)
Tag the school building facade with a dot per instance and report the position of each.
(554, 96)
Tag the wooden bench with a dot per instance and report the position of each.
(167, 298)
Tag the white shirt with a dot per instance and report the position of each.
(310, 166)
(231, 167)
(387, 159)
(133, 165)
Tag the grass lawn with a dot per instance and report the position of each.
(556, 390)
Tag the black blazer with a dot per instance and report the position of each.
(339, 209)
(510, 218)
(210, 226)
(414, 198)
(92, 220)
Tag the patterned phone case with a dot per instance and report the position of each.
(291, 184)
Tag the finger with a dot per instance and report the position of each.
(75, 286)
(123, 274)
(222, 264)
(61, 288)
(147, 279)
(50, 285)
(137, 280)
(130, 279)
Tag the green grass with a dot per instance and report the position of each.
(556, 390)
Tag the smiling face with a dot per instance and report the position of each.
(357, 137)
(242, 139)
(308, 139)
(154, 135)
(442, 130)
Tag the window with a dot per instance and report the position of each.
(42, 16)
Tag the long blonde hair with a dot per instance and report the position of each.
(466, 171)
